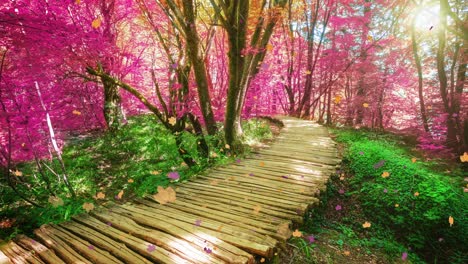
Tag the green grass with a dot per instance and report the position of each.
(426, 192)
(143, 152)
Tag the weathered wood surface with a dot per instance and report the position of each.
(230, 214)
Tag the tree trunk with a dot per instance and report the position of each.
(195, 56)
(417, 60)
(112, 105)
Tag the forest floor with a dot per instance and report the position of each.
(336, 234)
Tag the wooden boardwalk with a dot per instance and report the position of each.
(234, 214)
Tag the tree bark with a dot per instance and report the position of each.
(417, 61)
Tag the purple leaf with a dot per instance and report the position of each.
(151, 248)
(341, 191)
(379, 164)
(207, 250)
(338, 207)
(198, 222)
(404, 256)
(311, 239)
(173, 175)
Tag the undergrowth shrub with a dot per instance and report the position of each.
(413, 201)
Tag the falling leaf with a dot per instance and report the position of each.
(338, 208)
(385, 174)
(88, 207)
(297, 233)
(151, 248)
(283, 230)
(257, 209)
(55, 201)
(96, 23)
(337, 99)
(76, 112)
(100, 195)
(173, 175)
(404, 256)
(365, 105)
(172, 120)
(119, 195)
(130, 180)
(451, 220)
(416, 194)
(366, 224)
(18, 173)
(164, 196)
(414, 160)
(464, 157)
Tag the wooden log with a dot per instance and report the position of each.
(159, 255)
(19, 255)
(198, 235)
(62, 249)
(119, 250)
(47, 255)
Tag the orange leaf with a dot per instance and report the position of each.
(385, 174)
(257, 209)
(366, 224)
(464, 157)
(88, 207)
(416, 194)
(164, 196)
(18, 173)
(119, 196)
(451, 220)
(297, 233)
(96, 23)
(365, 105)
(413, 160)
(172, 121)
(283, 230)
(130, 180)
(76, 112)
(100, 195)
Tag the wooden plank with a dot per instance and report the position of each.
(263, 187)
(170, 243)
(18, 255)
(119, 250)
(209, 197)
(251, 196)
(200, 236)
(47, 255)
(85, 248)
(159, 255)
(62, 249)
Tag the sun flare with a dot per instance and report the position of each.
(427, 18)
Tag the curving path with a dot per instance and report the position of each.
(238, 213)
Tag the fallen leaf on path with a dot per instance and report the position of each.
(88, 207)
(100, 195)
(257, 209)
(164, 196)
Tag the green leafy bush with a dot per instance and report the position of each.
(413, 200)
